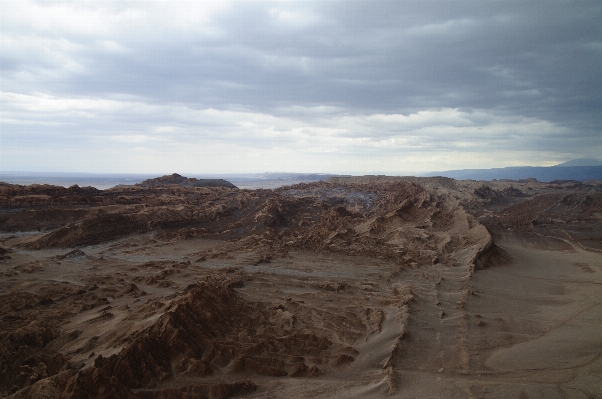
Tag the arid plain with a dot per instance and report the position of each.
(361, 287)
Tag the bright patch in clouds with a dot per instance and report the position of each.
(171, 131)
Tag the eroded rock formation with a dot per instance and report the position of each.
(183, 288)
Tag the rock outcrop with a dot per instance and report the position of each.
(176, 179)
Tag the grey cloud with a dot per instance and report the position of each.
(522, 60)
(398, 57)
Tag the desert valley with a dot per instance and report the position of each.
(353, 287)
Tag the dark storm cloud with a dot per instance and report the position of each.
(427, 76)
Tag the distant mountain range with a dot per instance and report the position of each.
(104, 181)
(580, 162)
(578, 169)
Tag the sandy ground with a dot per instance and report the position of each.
(530, 329)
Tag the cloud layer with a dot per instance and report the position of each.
(252, 86)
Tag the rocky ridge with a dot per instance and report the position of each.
(176, 179)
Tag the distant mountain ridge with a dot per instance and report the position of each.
(580, 162)
(543, 174)
(185, 181)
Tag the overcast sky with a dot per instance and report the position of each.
(298, 86)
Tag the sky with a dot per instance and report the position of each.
(298, 86)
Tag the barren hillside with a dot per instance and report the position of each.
(353, 287)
